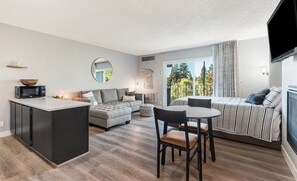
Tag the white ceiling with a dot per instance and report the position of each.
(142, 27)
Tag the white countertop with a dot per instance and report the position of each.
(49, 103)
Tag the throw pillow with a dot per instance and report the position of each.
(109, 95)
(91, 97)
(274, 92)
(249, 98)
(258, 99)
(130, 93)
(128, 98)
(121, 92)
(276, 101)
(264, 91)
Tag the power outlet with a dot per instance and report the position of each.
(1, 123)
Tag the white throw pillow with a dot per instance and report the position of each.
(274, 93)
(91, 97)
(128, 98)
(276, 101)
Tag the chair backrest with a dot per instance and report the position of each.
(199, 103)
(170, 117)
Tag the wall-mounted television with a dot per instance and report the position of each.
(282, 31)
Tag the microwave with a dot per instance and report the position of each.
(22, 92)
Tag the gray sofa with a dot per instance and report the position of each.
(111, 110)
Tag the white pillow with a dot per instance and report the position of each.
(278, 107)
(276, 101)
(128, 98)
(274, 92)
(91, 97)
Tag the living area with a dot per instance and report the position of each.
(117, 70)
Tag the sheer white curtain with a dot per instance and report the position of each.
(225, 65)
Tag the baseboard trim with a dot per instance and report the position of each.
(289, 162)
(5, 133)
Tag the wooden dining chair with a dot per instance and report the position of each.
(182, 140)
(192, 126)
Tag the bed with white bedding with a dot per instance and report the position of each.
(245, 119)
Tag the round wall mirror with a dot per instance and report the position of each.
(101, 70)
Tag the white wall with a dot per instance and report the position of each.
(275, 74)
(289, 70)
(252, 55)
(60, 64)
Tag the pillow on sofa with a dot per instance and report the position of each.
(109, 95)
(96, 93)
(121, 92)
(92, 99)
(130, 93)
(128, 98)
(97, 96)
(274, 92)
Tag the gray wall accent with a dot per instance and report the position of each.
(63, 65)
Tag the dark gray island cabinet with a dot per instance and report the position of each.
(56, 129)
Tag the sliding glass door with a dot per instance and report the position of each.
(204, 78)
(180, 80)
(190, 78)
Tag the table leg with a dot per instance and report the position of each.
(211, 142)
(199, 160)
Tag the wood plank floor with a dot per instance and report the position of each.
(128, 152)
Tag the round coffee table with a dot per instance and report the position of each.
(146, 110)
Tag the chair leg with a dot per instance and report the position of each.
(204, 148)
(188, 166)
(158, 160)
(209, 142)
(172, 154)
(163, 155)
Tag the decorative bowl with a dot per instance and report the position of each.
(29, 82)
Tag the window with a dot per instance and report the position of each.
(189, 78)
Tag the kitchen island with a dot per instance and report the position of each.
(56, 129)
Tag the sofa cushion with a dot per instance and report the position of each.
(135, 103)
(109, 111)
(118, 103)
(96, 93)
(109, 95)
(121, 92)
(128, 98)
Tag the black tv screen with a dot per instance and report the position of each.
(282, 30)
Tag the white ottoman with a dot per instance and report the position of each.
(146, 110)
